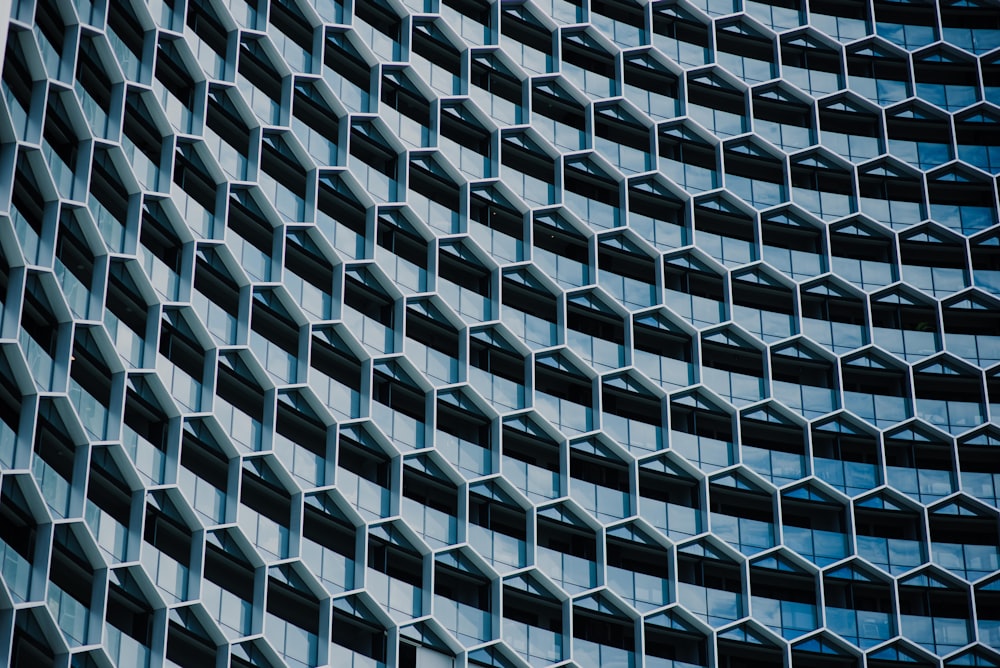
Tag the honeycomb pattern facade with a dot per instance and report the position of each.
(469, 332)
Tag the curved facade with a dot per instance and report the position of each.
(465, 333)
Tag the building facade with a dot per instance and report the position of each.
(441, 333)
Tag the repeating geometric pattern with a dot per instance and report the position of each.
(472, 332)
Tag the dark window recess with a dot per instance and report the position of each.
(603, 629)
(825, 179)
(293, 605)
(813, 514)
(380, 17)
(368, 301)
(335, 363)
(89, 371)
(775, 298)
(792, 237)
(885, 523)
(701, 422)
(373, 153)
(496, 216)
(532, 609)
(681, 28)
(659, 341)
(359, 635)
(561, 242)
(107, 187)
(566, 538)
(105, 487)
(869, 380)
(126, 26)
(849, 122)
(275, 326)
(557, 108)
(404, 99)
(782, 110)
(228, 571)
(675, 645)
(129, 614)
(402, 242)
(718, 355)
(782, 585)
(756, 167)
(528, 160)
(688, 150)
(17, 73)
(463, 424)
(362, 461)
(68, 569)
(916, 129)
(278, 163)
(487, 75)
(708, 572)
(587, 184)
(743, 503)
(877, 67)
(395, 561)
(588, 467)
(432, 333)
(652, 79)
(91, 74)
(931, 253)
(477, 10)
(464, 273)
(311, 266)
(844, 447)
(801, 370)
(588, 57)
(286, 18)
(206, 461)
(734, 654)
(209, 280)
(858, 247)
(590, 321)
(464, 132)
(807, 56)
(190, 174)
(625, 132)
(304, 430)
(704, 94)
(167, 535)
(832, 307)
(434, 186)
(668, 488)
(18, 528)
(496, 516)
(462, 587)
(639, 267)
(342, 58)
(342, 208)
(632, 405)
(496, 360)
(203, 20)
(624, 12)
(145, 418)
(265, 497)
(531, 450)
(187, 648)
(123, 299)
(241, 392)
(520, 26)
(773, 436)
(398, 396)
(563, 385)
(430, 491)
(744, 45)
(427, 44)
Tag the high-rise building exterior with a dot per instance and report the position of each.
(445, 333)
